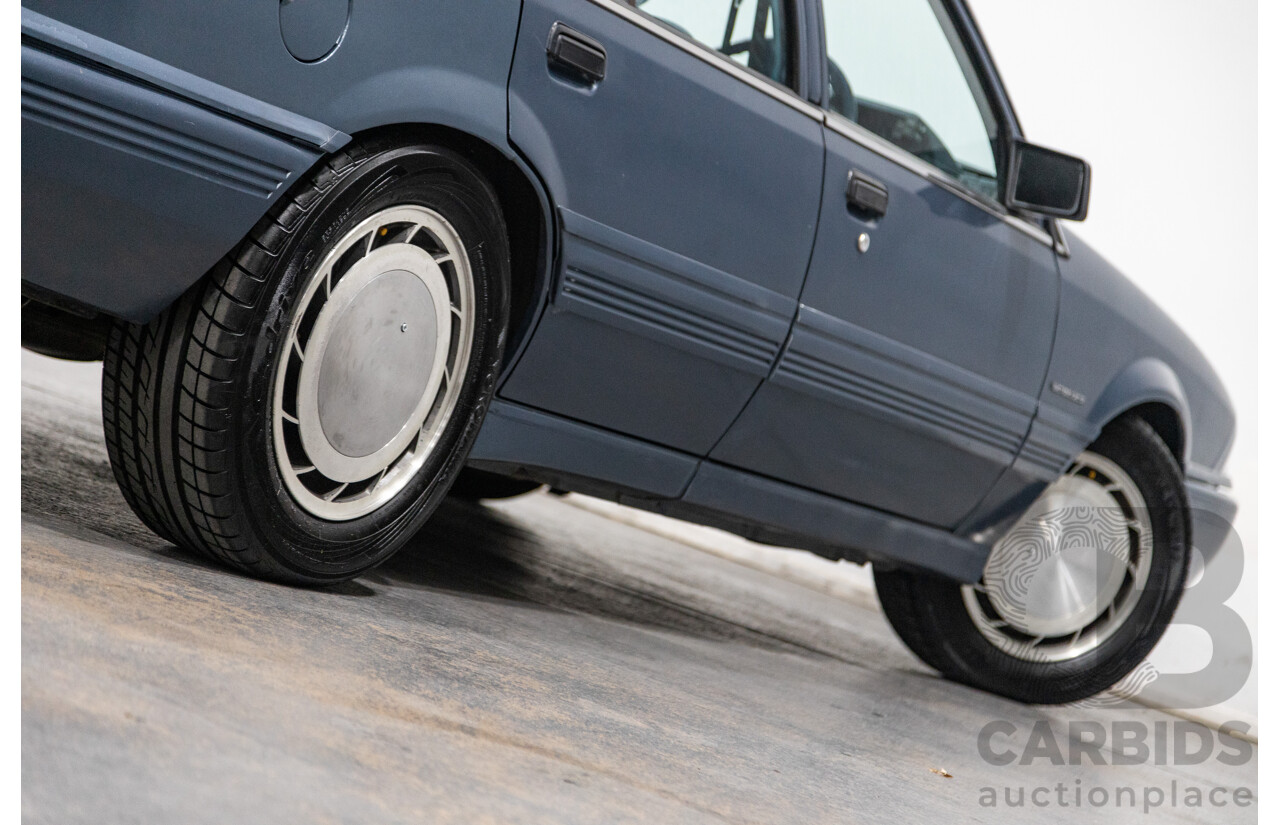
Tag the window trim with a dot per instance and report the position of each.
(785, 94)
(869, 140)
(992, 94)
(810, 28)
(997, 100)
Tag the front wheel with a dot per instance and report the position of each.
(302, 411)
(1078, 592)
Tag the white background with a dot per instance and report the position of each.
(1161, 96)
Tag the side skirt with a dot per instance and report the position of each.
(518, 440)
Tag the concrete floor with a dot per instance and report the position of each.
(527, 662)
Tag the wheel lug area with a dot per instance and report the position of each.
(365, 384)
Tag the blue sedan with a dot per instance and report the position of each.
(789, 268)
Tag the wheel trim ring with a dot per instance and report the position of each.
(332, 504)
(323, 455)
(995, 628)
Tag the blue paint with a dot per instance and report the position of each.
(705, 337)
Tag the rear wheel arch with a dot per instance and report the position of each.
(202, 437)
(525, 204)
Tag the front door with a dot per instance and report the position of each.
(927, 318)
(686, 174)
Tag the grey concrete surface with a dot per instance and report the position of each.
(528, 662)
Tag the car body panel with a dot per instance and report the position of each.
(158, 185)
(688, 202)
(517, 440)
(399, 62)
(1212, 512)
(520, 440)
(157, 229)
(678, 292)
(912, 371)
(1117, 349)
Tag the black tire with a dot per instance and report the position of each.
(479, 485)
(928, 613)
(187, 398)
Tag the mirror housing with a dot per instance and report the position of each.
(1047, 182)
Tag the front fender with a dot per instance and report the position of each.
(1145, 381)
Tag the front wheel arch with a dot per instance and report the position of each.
(1150, 390)
(930, 615)
(1167, 423)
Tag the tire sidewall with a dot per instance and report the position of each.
(435, 178)
(963, 653)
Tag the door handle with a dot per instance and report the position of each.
(573, 52)
(867, 195)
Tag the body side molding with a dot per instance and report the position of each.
(182, 84)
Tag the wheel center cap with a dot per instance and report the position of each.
(377, 363)
(373, 362)
(1063, 563)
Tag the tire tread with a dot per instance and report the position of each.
(169, 387)
(199, 340)
(924, 609)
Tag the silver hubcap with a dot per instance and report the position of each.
(1070, 572)
(373, 362)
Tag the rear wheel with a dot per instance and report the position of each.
(1076, 594)
(300, 412)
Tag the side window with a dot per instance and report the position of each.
(752, 33)
(898, 69)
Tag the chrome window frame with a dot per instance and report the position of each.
(723, 62)
(997, 101)
(831, 120)
(870, 140)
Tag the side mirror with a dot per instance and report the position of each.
(1047, 182)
